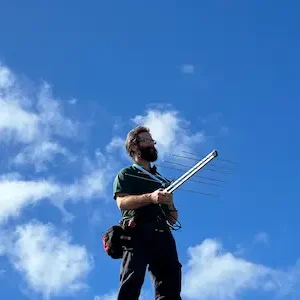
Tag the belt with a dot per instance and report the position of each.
(157, 226)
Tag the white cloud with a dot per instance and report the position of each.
(170, 131)
(10, 176)
(48, 261)
(108, 296)
(213, 273)
(168, 128)
(41, 153)
(145, 295)
(52, 118)
(6, 77)
(115, 143)
(16, 123)
(97, 175)
(15, 194)
(35, 119)
(91, 185)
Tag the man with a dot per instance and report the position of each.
(146, 208)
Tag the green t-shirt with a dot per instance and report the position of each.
(130, 180)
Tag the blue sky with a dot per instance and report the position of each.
(75, 78)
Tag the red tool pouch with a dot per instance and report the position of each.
(113, 241)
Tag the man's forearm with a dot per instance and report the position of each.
(133, 201)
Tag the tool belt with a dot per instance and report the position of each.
(113, 241)
(121, 236)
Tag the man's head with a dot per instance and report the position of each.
(139, 144)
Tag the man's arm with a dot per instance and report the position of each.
(126, 202)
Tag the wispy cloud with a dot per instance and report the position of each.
(34, 120)
(216, 124)
(39, 135)
(188, 69)
(23, 126)
(47, 259)
(213, 273)
(261, 237)
(108, 296)
(18, 193)
(145, 295)
(116, 143)
(41, 154)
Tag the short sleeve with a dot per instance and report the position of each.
(122, 184)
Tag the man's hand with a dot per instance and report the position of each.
(161, 196)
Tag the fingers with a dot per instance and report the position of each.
(161, 196)
(164, 197)
(162, 193)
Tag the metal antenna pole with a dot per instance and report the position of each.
(177, 183)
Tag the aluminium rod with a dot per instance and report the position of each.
(177, 183)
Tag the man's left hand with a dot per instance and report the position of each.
(169, 200)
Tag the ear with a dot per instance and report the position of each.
(134, 148)
(135, 151)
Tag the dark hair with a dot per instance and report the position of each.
(132, 136)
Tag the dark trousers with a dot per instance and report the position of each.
(157, 250)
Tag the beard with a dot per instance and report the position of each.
(149, 154)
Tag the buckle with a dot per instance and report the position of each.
(131, 223)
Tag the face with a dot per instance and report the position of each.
(146, 147)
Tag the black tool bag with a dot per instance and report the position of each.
(114, 240)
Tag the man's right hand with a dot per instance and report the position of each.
(160, 196)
